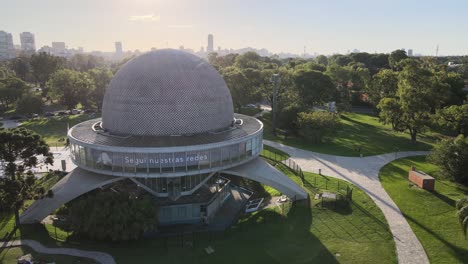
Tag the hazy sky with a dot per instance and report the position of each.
(322, 26)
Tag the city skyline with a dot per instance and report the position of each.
(279, 27)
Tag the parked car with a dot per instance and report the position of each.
(49, 114)
(62, 113)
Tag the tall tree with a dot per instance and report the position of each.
(43, 66)
(384, 84)
(71, 87)
(21, 67)
(19, 148)
(451, 155)
(314, 87)
(454, 117)
(395, 57)
(29, 104)
(322, 59)
(11, 90)
(237, 83)
(418, 95)
(101, 78)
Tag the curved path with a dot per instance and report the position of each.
(364, 173)
(99, 257)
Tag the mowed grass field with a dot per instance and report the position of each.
(431, 215)
(357, 131)
(54, 129)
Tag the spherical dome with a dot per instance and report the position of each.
(166, 92)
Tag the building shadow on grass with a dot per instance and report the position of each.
(460, 253)
(262, 237)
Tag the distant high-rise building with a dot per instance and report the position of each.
(59, 48)
(410, 53)
(28, 43)
(181, 47)
(7, 49)
(209, 48)
(118, 47)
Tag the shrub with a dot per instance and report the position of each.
(451, 155)
(313, 126)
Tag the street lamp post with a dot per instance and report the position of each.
(275, 79)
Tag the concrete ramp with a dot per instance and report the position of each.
(74, 184)
(261, 171)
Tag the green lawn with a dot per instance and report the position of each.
(250, 111)
(431, 215)
(10, 255)
(54, 129)
(357, 130)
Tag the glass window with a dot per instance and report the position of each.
(216, 157)
(248, 148)
(141, 163)
(167, 162)
(180, 161)
(192, 160)
(117, 162)
(154, 163)
(226, 156)
(204, 159)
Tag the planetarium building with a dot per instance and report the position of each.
(168, 126)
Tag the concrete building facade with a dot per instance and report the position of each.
(7, 48)
(28, 43)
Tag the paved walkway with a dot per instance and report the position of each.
(363, 172)
(100, 257)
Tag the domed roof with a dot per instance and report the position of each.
(166, 92)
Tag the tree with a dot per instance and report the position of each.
(84, 62)
(383, 84)
(112, 216)
(395, 57)
(43, 66)
(313, 87)
(314, 125)
(21, 67)
(101, 78)
(322, 59)
(391, 112)
(11, 90)
(462, 212)
(29, 104)
(248, 60)
(237, 83)
(451, 155)
(454, 117)
(418, 95)
(19, 148)
(455, 94)
(71, 87)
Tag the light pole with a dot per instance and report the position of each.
(275, 79)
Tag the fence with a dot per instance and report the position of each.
(314, 182)
(284, 159)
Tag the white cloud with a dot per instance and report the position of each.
(180, 26)
(149, 18)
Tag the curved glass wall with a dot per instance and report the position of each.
(149, 164)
